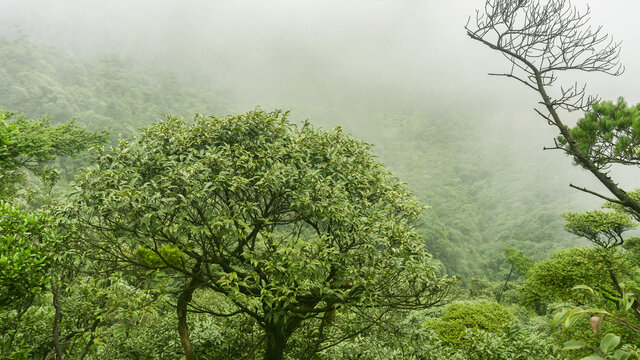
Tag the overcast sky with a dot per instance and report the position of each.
(407, 46)
(368, 55)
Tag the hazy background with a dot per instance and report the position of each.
(408, 48)
(365, 65)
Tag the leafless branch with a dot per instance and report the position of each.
(595, 193)
(542, 39)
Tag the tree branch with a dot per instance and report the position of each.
(596, 194)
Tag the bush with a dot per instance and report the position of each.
(460, 316)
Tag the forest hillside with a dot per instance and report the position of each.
(327, 181)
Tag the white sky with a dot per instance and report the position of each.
(372, 55)
(415, 45)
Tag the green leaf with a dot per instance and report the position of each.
(571, 319)
(572, 345)
(558, 318)
(621, 355)
(609, 342)
(592, 357)
(583, 287)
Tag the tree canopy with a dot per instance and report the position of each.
(603, 228)
(287, 222)
(552, 280)
(32, 144)
(609, 133)
(26, 241)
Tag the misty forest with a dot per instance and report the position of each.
(363, 179)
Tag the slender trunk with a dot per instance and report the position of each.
(93, 327)
(636, 309)
(616, 284)
(16, 320)
(57, 319)
(614, 281)
(504, 287)
(614, 278)
(275, 344)
(183, 302)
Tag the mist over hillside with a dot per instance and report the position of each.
(318, 180)
(396, 74)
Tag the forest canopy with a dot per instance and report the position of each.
(129, 234)
(286, 222)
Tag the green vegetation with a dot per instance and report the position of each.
(458, 317)
(254, 236)
(609, 133)
(26, 244)
(285, 222)
(542, 41)
(102, 92)
(552, 280)
(32, 144)
(480, 201)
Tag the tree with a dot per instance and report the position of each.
(29, 242)
(520, 264)
(32, 144)
(552, 280)
(542, 40)
(26, 241)
(603, 228)
(459, 317)
(290, 224)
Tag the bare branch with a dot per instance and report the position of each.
(596, 194)
(541, 40)
(517, 78)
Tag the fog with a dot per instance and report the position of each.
(339, 63)
(413, 45)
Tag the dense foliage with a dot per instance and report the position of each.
(32, 144)
(480, 200)
(26, 244)
(255, 237)
(552, 280)
(609, 133)
(459, 317)
(101, 91)
(541, 41)
(288, 223)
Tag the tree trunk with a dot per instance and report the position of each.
(183, 302)
(275, 344)
(636, 309)
(504, 287)
(277, 335)
(57, 319)
(575, 151)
